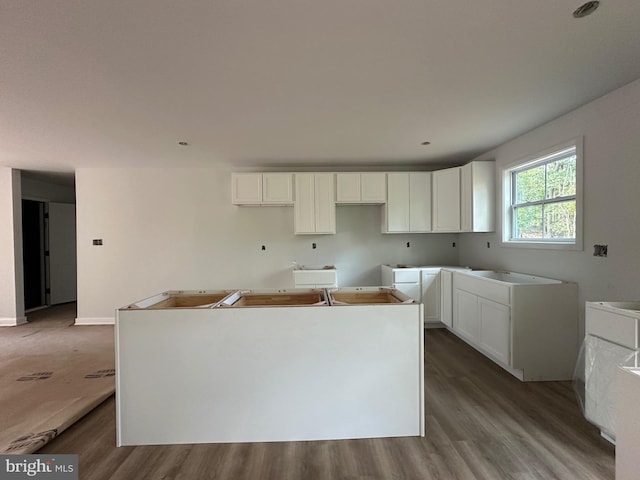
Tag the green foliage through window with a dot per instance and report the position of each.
(543, 199)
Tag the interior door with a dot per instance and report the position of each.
(62, 253)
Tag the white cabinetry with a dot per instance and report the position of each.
(408, 207)
(314, 207)
(628, 421)
(446, 297)
(361, 188)
(430, 284)
(494, 329)
(446, 200)
(315, 278)
(423, 285)
(261, 188)
(612, 334)
(526, 324)
(466, 321)
(404, 279)
(464, 198)
(477, 197)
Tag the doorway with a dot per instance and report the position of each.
(49, 253)
(34, 252)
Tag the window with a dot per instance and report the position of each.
(542, 199)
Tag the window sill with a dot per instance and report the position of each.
(577, 246)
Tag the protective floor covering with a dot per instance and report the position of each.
(51, 374)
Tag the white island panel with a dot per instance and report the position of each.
(269, 374)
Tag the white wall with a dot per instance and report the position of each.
(166, 229)
(611, 129)
(11, 284)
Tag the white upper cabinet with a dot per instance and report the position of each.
(246, 188)
(314, 208)
(361, 188)
(262, 188)
(446, 200)
(478, 197)
(408, 207)
(277, 188)
(374, 187)
(464, 198)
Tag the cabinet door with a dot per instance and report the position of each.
(348, 188)
(325, 205)
(477, 197)
(420, 202)
(446, 200)
(373, 187)
(466, 198)
(495, 329)
(431, 297)
(246, 188)
(397, 206)
(277, 188)
(466, 315)
(304, 206)
(446, 298)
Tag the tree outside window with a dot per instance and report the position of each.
(543, 199)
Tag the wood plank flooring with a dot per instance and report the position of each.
(481, 423)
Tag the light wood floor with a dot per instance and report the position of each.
(481, 423)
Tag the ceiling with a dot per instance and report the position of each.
(296, 83)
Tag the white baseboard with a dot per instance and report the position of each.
(95, 321)
(12, 321)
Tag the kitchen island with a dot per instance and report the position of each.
(262, 366)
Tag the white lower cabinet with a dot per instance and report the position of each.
(494, 329)
(466, 318)
(446, 297)
(485, 323)
(526, 324)
(430, 284)
(612, 335)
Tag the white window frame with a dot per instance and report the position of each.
(506, 192)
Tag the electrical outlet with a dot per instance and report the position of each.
(600, 250)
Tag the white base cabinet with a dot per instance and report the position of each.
(269, 373)
(446, 297)
(612, 335)
(494, 329)
(628, 419)
(526, 324)
(430, 285)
